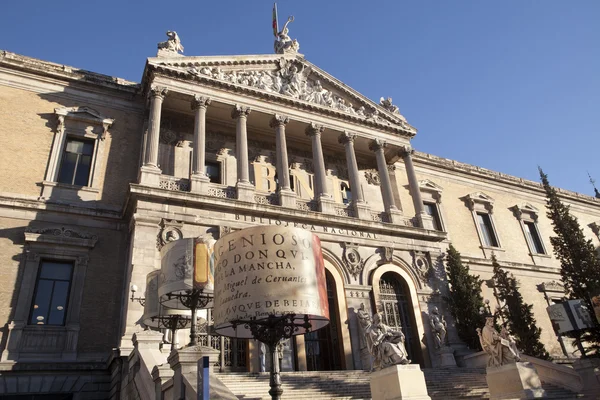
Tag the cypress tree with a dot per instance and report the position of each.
(517, 314)
(464, 300)
(580, 266)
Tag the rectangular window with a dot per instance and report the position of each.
(51, 293)
(432, 210)
(76, 162)
(487, 230)
(213, 171)
(534, 237)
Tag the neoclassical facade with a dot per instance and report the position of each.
(99, 173)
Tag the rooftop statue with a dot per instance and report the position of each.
(438, 326)
(172, 46)
(385, 344)
(284, 44)
(501, 347)
(387, 104)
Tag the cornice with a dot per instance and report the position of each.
(472, 170)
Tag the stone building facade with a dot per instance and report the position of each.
(99, 173)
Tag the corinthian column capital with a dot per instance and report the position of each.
(278, 120)
(200, 101)
(404, 151)
(240, 111)
(346, 137)
(314, 129)
(158, 92)
(377, 144)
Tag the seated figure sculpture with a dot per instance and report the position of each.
(501, 350)
(385, 344)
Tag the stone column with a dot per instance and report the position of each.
(150, 172)
(424, 220)
(322, 195)
(359, 204)
(245, 190)
(395, 216)
(287, 197)
(199, 180)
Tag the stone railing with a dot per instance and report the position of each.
(174, 183)
(380, 217)
(307, 205)
(223, 192)
(270, 199)
(344, 211)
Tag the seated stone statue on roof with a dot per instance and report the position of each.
(170, 47)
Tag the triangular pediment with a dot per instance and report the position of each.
(84, 114)
(426, 184)
(289, 77)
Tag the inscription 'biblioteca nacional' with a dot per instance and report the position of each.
(309, 227)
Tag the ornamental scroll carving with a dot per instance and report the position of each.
(422, 265)
(352, 259)
(170, 231)
(372, 177)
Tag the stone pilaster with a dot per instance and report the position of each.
(425, 220)
(150, 172)
(358, 201)
(245, 190)
(389, 203)
(287, 197)
(199, 180)
(322, 194)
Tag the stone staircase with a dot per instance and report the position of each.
(442, 384)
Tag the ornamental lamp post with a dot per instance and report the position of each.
(269, 285)
(186, 279)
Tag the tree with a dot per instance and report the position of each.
(580, 266)
(517, 314)
(464, 299)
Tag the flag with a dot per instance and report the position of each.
(275, 25)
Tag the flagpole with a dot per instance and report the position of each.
(276, 20)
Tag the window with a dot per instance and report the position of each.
(76, 162)
(213, 171)
(534, 237)
(487, 230)
(432, 210)
(51, 293)
(527, 215)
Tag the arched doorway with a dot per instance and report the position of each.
(323, 346)
(397, 311)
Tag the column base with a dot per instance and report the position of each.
(150, 175)
(396, 217)
(184, 363)
(446, 357)
(362, 210)
(245, 191)
(399, 382)
(326, 204)
(287, 198)
(425, 221)
(199, 183)
(518, 380)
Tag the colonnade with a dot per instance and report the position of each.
(150, 171)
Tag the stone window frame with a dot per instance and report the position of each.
(66, 116)
(480, 202)
(219, 158)
(42, 342)
(432, 193)
(528, 213)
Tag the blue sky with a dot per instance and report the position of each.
(506, 85)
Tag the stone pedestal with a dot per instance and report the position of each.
(425, 221)
(514, 381)
(399, 382)
(446, 357)
(589, 371)
(184, 363)
(326, 204)
(199, 183)
(287, 198)
(363, 211)
(150, 175)
(245, 191)
(396, 216)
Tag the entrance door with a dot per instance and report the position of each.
(397, 311)
(323, 346)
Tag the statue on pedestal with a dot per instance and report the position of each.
(284, 44)
(385, 344)
(500, 347)
(438, 327)
(171, 47)
(364, 322)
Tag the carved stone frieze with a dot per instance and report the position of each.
(62, 232)
(170, 231)
(352, 259)
(553, 286)
(372, 177)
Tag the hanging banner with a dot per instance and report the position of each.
(268, 270)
